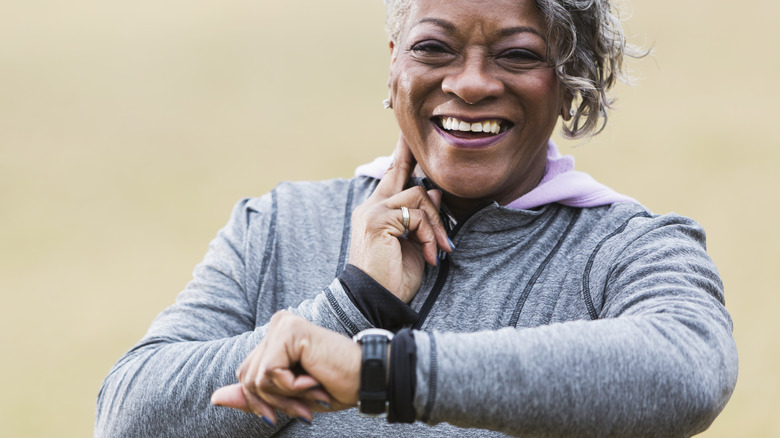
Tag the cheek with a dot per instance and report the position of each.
(544, 89)
(410, 94)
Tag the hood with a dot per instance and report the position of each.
(560, 183)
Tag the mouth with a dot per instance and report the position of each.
(472, 129)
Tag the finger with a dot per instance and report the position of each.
(291, 406)
(230, 396)
(259, 407)
(442, 237)
(251, 364)
(418, 198)
(399, 172)
(288, 381)
(304, 388)
(421, 231)
(284, 382)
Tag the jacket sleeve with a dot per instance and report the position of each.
(162, 386)
(659, 361)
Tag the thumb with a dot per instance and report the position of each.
(231, 396)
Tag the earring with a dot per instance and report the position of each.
(387, 103)
(571, 112)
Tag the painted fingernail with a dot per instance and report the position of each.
(324, 404)
(452, 245)
(267, 420)
(304, 420)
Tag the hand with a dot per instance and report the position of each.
(270, 377)
(377, 224)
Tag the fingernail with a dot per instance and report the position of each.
(315, 387)
(304, 420)
(267, 420)
(452, 245)
(324, 404)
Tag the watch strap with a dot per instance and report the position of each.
(373, 372)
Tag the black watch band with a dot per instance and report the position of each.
(373, 372)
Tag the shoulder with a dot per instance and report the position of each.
(300, 210)
(310, 193)
(626, 221)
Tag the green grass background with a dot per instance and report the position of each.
(129, 128)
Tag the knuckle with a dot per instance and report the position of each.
(359, 210)
(420, 191)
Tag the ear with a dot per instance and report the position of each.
(566, 101)
(393, 54)
(391, 44)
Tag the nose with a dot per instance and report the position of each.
(472, 82)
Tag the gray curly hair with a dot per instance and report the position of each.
(586, 47)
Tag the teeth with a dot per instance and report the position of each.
(453, 124)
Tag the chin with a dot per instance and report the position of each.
(465, 187)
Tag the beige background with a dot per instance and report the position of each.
(129, 128)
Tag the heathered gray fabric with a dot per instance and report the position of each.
(604, 321)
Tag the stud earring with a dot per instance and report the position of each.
(387, 103)
(571, 112)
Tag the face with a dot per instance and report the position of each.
(474, 95)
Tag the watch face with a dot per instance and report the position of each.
(373, 332)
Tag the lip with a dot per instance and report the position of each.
(470, 143)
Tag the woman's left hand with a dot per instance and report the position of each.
(269, 378)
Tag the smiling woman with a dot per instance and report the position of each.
(490, 288)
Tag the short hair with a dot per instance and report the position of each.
(586, 47)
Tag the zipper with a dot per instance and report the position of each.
(444, 269)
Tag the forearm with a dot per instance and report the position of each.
(634, 376)
(163, 386)
(163, 389)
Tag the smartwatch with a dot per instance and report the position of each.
(373, 372)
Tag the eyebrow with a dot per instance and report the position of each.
(446, 25)
(521, 29)
(451, 28)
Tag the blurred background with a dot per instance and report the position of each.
(129, 129)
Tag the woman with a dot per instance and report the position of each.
(526, 298)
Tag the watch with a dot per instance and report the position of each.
(373, 372)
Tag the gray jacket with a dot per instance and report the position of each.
(561, 321)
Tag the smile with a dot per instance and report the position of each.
(487, 126)
(471, 134)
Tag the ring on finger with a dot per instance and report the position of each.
(405, 221)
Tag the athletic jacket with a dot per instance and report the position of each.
(555, 321)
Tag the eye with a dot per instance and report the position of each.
(430, 46)
(521, 58)
(431, 51)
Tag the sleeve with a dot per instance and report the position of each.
(162, 386)
(659, 361)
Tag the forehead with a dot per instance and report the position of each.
(489, 17)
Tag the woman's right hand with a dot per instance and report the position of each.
(377, 247)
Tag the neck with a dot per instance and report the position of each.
(461, 208)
